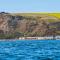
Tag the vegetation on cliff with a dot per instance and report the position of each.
(28, 25)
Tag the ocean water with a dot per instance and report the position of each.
(30, 50)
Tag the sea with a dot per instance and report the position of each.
(29, 49)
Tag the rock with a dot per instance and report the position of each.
(28, 25)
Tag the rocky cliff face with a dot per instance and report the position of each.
(15, 26)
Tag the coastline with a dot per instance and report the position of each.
(40, 38)
(33, 38)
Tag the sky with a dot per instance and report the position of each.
(30, 5)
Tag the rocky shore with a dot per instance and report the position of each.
(40, 38)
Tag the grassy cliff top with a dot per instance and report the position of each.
(33, 14)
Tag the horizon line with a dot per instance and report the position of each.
(28, 12)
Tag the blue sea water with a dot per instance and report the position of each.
(30, 50)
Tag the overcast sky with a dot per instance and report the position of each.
(30, 5)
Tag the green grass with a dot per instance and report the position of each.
(39, 13)
(55, 15)
(29, 14)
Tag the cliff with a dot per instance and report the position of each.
(24, 25)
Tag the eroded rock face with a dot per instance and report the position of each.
(26, 25)
(3, 22)
(8, 22)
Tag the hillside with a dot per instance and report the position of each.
(29, 25)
